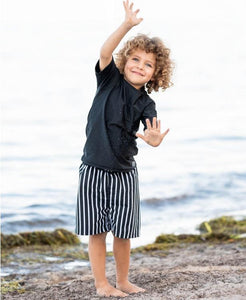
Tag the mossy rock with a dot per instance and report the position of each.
(152, 248)
(226, 225)
(219, 237)
(166, 238)
(167, 241)
(12, 286)
(12, 240)
(182, 238)
(56, 237)
(221, 230)
(191, 238)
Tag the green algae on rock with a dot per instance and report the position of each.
(192, 238)
(172, 238)
(224, 224)
(223, 229)
(168, 241)
(56, 237)
(11, 286)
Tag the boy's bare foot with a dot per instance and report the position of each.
(108, 290)
(129, 288)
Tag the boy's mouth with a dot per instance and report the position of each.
(137, 73)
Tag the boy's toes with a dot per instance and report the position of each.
(129, 288)
(109, 291)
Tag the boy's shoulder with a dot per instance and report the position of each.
(108, 76)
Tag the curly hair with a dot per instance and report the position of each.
(164, 65)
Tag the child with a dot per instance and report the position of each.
(108, 196)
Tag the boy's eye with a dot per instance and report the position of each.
(135, 59)
(149, 65)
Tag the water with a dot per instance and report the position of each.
(53, 263)
(198, 173)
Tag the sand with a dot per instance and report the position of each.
(196, 271)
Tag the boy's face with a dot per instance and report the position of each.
(139, 68)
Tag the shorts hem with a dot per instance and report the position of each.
(115, 235)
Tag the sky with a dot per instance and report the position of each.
(175, 10)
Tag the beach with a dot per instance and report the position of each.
(55, 265)
(198, 271)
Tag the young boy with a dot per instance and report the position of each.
(108, 196)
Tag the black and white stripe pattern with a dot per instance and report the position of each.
(107, 201)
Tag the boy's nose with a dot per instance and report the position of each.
(141, 66)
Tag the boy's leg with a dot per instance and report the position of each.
(122, 259)
(97, 254)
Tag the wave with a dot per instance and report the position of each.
(33, 224)
(156, 202)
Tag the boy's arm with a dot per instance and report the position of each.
(114, 39)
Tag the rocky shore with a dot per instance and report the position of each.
(211, 265)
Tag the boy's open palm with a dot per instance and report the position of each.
(131, 16)
(152, 135)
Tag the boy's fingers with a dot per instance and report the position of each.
(159, 125)
(126, 4)
(140, 135)
(148, 124)
(154, 123)
(165, 133)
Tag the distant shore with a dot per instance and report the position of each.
(207, 266)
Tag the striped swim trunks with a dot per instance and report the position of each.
(107, 201)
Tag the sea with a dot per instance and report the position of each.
(48, 57)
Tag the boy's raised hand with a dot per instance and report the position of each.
(131, 16)
(152, 135)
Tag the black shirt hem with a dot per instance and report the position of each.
(109, 169)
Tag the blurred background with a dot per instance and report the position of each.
(49, 50)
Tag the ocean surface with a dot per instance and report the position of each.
(197, 173)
